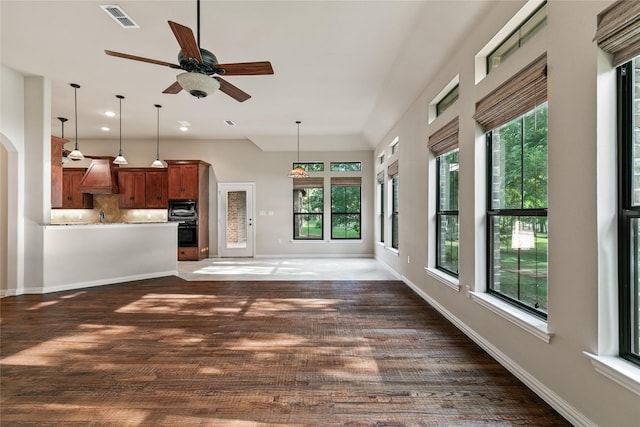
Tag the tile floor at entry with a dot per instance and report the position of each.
(238, 269)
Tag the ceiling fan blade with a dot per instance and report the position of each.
(186, 40)
(140, 58)
(173, 89)
(232, 90)
(245, 68)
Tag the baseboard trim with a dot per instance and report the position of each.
(94, 283)
(314, 256)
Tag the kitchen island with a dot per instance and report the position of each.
(84, 255)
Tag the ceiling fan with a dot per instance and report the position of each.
(202, 70)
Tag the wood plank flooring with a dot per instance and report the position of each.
(167, 352)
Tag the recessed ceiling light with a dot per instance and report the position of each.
(229, 122)
(109, 113)
(104, 128)
(184, 128)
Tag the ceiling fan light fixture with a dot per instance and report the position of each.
(197, 84)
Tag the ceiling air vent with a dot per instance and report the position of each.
(119, 15)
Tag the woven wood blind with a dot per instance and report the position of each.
(354, 181)
(392, 170)
(300, 183)
(618, 31)
(380, 177)
(444, 139)
(516, 96)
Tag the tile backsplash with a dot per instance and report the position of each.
(112, 213)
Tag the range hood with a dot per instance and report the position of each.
(100, 177)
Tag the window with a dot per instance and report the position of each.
(308, 204)
(392, 172)
(346, 166)
(447, 101)
(517, 211)
(447, 166)
(395, 146)
(517, 38)
(629, 209)
(345, 208)
(381, 204)
(310, 167)
(394, 213)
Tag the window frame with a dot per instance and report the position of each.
(304, 164)
(521, 40)
(381, 210)
(395, 218)
(444, 213)
(492, 213)
(627, 212)
(448, 100)
(302, 214)
(337, 164)
(338, 214)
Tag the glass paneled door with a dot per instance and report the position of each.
(235, 219)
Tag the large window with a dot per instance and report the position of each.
(629, 208)
(345, 208)
(447, 212)
(394, 213)
(517, 211)
(308, 205)
(381, 206)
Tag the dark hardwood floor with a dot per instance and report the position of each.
(166, 352)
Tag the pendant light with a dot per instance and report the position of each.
(157, 163)
(298, 171)
(65, 158)
(120, 160)
(76, 154)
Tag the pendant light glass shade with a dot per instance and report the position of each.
(197, 84)
(76, 154)
(120, 160)
(298, 171)
(157, 163)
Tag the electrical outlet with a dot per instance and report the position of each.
(408, 259)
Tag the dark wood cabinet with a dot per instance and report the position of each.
(189, 180)
(183, 181)
(72, 198)
(156, 188)
(131, 184)
(142, 188)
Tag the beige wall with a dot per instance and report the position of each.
(3, 220)
(581, 212)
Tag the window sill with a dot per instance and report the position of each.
(535, 326)
(618, 370)
(310, 241)
(392, 251)
(346, 240)
(444, 278)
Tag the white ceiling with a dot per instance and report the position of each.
(347, 69)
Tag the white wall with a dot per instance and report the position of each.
(580, 220)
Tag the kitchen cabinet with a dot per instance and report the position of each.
(189, 180)
(183, 181)
(142, 188)
(57, 145)
(156, 189)
(72, 197)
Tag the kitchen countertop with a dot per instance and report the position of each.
(111, 224)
